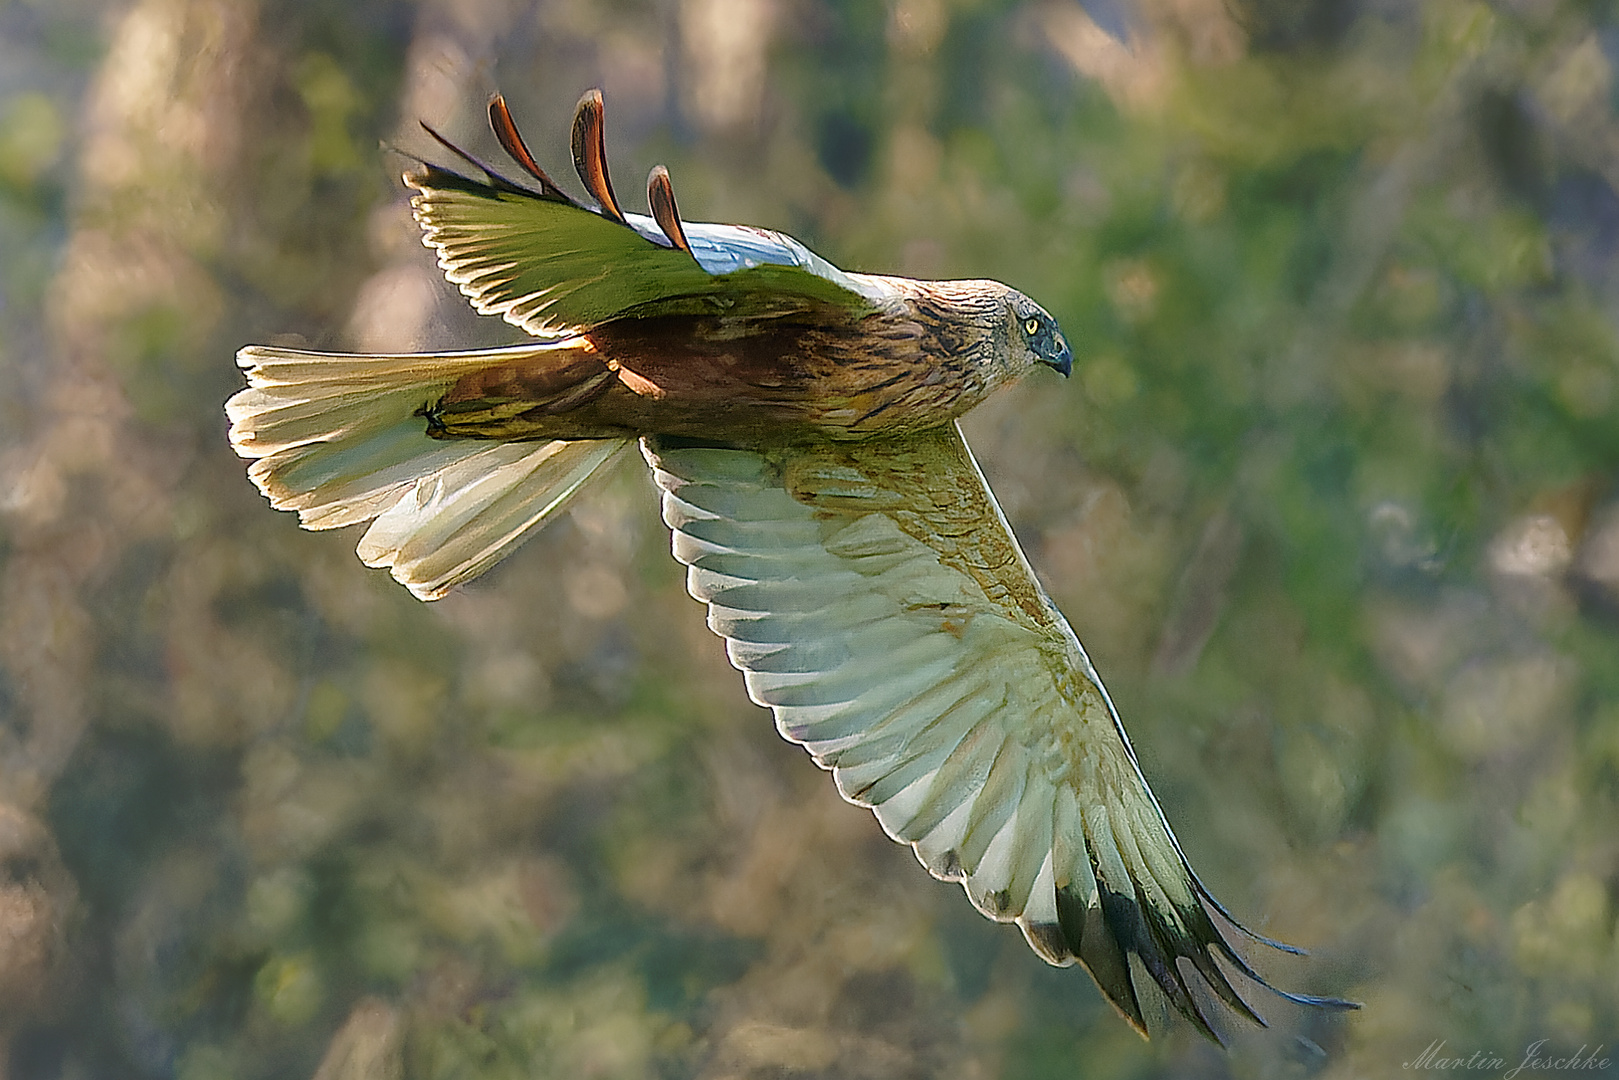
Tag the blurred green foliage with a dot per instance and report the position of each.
(1331, 499)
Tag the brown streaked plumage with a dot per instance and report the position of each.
(814, 372)
(800, 425)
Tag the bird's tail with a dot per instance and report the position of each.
(344, 438)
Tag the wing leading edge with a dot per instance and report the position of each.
(877, 602)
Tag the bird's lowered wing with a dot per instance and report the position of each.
(878, 603)
(552, 265)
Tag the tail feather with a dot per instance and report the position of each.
(295, 397)
(461, 520)
(342, 439)
(356, 476)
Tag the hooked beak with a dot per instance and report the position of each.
(1063, 361)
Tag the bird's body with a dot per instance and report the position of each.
(811, 371)
(800, 425)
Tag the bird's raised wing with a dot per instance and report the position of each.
(552, 265)
(878, 603)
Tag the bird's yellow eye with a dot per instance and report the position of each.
(1032, 327)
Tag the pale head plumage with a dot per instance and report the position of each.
(1035, 336)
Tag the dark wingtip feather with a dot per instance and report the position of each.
(660, 196)
(1312, 1000)
(496, 180)
(1106, 931)
(1204, 933)
(1093, 943)
(1047, 940)
(1208, 898)
(511, 140)
(1236, 959)
(1143, 934)
(590, 154)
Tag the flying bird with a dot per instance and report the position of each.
(800, 422)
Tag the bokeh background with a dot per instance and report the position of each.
(1333, 499)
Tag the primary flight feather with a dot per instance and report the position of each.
(800, 422)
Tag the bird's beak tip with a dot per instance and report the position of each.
(1064, 363)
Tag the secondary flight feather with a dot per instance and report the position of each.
(800, 423)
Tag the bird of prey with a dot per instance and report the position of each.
(801, 424)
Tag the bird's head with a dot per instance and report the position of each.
(1035, 336)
